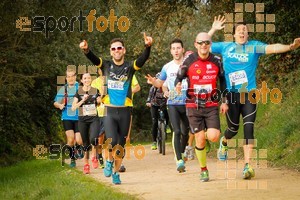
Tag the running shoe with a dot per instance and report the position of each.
(248, 172)
(180, 166)
(86, 169)
(122, 168)
(116, 178)
(154, 146)
(204, 176)
(101, 162)
(94, 162)
(108, 168)
(222, 152)
(186, 152)
(191, 153)
(207, 146)
(73, 163)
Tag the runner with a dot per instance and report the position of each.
(118, 102)
(98, 83)
(63, 101)
(86, 99)
(176, 102)
(240, 60)
(202, 71)
(155, 101)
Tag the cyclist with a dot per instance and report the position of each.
(63, 101)
(176, 102)
(155, 101)
(240, 60)
(202, 70)
(118, 102)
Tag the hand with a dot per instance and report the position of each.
(150, 79)
(85, 96)
(296, 44)
(178, 88)
(98, 100)
(148, 40)
(223, 108)
(166, 94)
(61, 106)
(148, 104)
(218, 23)
(83, 45)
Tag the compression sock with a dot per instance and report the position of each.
(201, 155)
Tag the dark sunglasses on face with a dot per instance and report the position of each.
(116, 48)
(206, 42)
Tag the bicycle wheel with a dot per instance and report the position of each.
(163, 137)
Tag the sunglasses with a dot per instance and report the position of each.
(116, 48)
(206, 42)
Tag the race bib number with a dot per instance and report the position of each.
(238, 78)
(115, 85)
(89, 110)
(206, 88)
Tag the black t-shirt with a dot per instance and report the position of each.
(88, 110)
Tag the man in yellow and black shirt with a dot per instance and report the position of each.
(118, 75)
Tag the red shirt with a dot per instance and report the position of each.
(202, 80)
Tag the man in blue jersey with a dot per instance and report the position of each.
(63, 101)
(240, 60)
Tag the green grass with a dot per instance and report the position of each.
(278, 130)
(46, 179)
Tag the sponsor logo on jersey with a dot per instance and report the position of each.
(120, 77)
(239, 56)
(195, 77)
(208, 66)
(209, 77)
(198, 71)
(211, 71)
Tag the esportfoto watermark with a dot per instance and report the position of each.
(57, 151)
(63, 23)
(263, 22)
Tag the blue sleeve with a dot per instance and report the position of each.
(260, 47)
(60, 95)
(163, 74)
(217, 47)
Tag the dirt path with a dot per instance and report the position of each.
(155, 177)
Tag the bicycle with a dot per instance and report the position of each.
(162, 134)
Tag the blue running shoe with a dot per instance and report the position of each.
(248, 172)
(73, 163)
(108, 168)
(116, 178)
(222, 152)
(180, 166)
